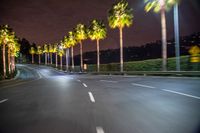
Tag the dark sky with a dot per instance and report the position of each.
(47, 21)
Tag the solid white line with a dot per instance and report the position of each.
(182, 94)
(3, 100)
(143, 85)
(91, 97)
(84, 85)
(108, 81)
(99, 130)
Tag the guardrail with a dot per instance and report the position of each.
(151, 73)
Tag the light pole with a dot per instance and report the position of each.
(176, 33)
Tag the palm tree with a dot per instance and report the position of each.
(32, 52)
(81, 34)
(4, 37)
(55, 49)
(72, 42)
(60, 53)
(51, 51)
(97, 31)
(13, 48)
(39, 52)
(14, 53)
(66, 46)
(10, 45)
(161, 6)
(46, 50)
(119, 16)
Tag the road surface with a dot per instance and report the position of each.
(43, 100)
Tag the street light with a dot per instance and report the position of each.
(176, 33)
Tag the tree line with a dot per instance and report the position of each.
(10, 48)
(119, 16)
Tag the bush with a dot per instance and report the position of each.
(148, 65)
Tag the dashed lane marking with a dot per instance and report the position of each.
(180, 93)
(91, 97)
(3, 100)
(84, 85)
(99, 130)
(146, 86)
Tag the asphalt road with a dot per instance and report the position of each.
(43, 100)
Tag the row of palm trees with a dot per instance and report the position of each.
(11, 47)
(96, 31)
(119, 16)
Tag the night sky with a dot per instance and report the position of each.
(47, 21)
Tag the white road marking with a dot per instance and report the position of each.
(91, 97)
(175, 92)
(99, 130)
(84, 85)
(78, 80)
(146, 86)
(40, 75)
(108, 81)
(3, 100)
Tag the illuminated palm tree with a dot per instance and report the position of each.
(120, 15)
(4, 37)
(10, 45)
(97, 31)
(32, 52)
(14, 53)
(161, 6)
(81, 34)
(39, 52)
(13, 48)
(66, 46)
(51, 51)
(45, 51)
(55, 49)
(72, 42)
(60, 53)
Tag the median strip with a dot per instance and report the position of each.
(3, 100)
(146, 86)
(91, 97)
(175, 92)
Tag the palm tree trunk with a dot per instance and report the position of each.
(51, 58)
(9, 63)
(67, 62)
(56, 60)
(81, 55)
(39, 59)
(98, 59)
(72, 53)
(61, 62)
(12, 64)
(164, 40)
(121, 50)
(4, 61)
(32, 58)
(45, 58)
